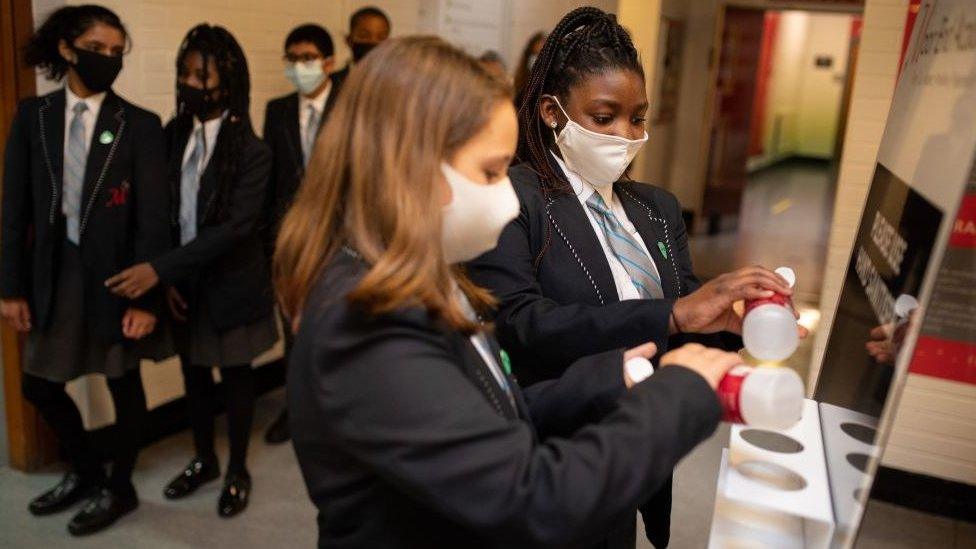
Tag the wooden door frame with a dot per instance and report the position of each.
(31, 442)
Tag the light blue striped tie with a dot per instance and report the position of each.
(311, 129)
(75, 159)
(634, 259)
(189, 188)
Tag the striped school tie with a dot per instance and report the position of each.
(75, 159)
(189, 188)
(638, 265)
(311, 130)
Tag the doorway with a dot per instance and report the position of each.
(782, 84)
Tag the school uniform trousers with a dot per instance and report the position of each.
(223, 275)
(118, 219)
(558, 296)
(408, 437)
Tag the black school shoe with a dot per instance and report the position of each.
(277, 432)
(196, 474)
(101, 511)
(233, 498)
(72, 489)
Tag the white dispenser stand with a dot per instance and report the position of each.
(770, 498)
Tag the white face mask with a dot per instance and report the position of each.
(598, 158)
(474, 219)
(305, 76)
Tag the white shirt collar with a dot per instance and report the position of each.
(94, 102)
(318, 102)
(581, 188)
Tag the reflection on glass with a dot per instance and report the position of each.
(876, 311)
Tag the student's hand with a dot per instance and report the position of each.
(17, 313)
(134, 281)
(177, 305)
(137, 324)
(712, 308)
(710, 363)
(646, 350)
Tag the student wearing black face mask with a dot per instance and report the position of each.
(291, 127)
(218, 279)
(368, 27)
(83, 197)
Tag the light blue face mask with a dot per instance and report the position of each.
(307, 76)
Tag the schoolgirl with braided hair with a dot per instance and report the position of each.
(218, 280)
(596, 261)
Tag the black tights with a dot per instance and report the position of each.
(201, 394)
(60, 412)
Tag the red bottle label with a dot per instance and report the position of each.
(729, 391)
(775, 299)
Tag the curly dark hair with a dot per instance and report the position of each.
(67, 23)
(217, 44)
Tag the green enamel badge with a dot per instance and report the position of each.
(106, 137)
(506, 362)
(664, 250)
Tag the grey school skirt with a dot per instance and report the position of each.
(66, 349)
(199, 343)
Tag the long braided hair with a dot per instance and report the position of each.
(586, 41)
(217, 44)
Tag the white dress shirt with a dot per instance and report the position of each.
(317, 103)
(211, 128)
(625, 286)
(89, 117)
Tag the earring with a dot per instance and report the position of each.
(553, 124)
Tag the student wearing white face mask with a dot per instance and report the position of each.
(408, 427)
(595, 262)
(291, 126)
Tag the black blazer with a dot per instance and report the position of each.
(405, 439)
(567, 306)
(225, 264)
(125, 205)
(283, 135)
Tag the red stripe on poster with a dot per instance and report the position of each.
(946, 359)
(964, 229)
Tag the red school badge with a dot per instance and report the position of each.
(118, 196)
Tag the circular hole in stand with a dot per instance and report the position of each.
(772, 441)
(859, 461)
(771, 474)
(859, 432)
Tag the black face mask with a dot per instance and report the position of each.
(97, 71)
(198, 102)
(360, 49)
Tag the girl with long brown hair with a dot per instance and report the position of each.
(409, 428)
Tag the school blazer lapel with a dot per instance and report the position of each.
(50, 116)
(656, 233)
(109, 132)
(293, 133)
(477, 371)
(521, 408)
(572, 227)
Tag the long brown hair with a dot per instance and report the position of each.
(372, 182)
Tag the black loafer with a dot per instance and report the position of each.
(278, 431)
(196, 474)
(233, 498)
(103, 509)
(72, 489)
